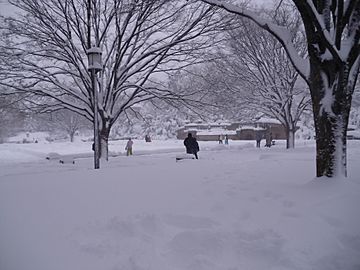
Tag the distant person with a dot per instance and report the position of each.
(268, 139)
(220, 139)
(258, 137)
(226, 139)
(192, 146)
(147, 138)
(99, 145)
(197, 149)
(128, 147)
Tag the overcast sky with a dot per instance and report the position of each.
(6, 9)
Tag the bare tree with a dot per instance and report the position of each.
(259, 69)
(45, 48)
(68, 121)
(332, 30)
(11, 116)
(218, 102)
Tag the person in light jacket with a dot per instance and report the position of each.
(128, 147)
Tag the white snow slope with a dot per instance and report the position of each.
(236, 208)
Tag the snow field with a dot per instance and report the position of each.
(235, 208)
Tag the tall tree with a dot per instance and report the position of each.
(331, 68)
(259, 69)
(216, 86)
(67, 121)
(44, 51)
(11, 116)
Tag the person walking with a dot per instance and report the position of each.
(147, 138)
(191, 145)
(258, 137)
(226, 139)
(128, 147)
(220, 139)
(268, 139)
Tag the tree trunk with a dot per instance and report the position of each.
(331, 107)
(290, 139)
(331, 144)
(104, 142)
(72, 134)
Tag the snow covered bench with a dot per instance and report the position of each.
(52, 156)
(184, 156)
(62, 159)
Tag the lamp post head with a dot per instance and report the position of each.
(94, 59)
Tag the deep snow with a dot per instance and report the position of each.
(235, 208)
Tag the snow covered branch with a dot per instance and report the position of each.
(281, 33)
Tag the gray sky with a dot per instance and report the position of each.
(7, 9)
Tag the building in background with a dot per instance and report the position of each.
(234, 131)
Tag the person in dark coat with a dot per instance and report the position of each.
(192, 146)
(268, 139)
(258, 137)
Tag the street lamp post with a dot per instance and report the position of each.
(94, 66)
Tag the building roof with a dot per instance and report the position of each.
(267, 120)
(216, 132)
(246, 127)
(206, 124)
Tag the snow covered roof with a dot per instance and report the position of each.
(268, 120)
(354, 133)
(246, 127)
(352, 127)
(216, 132)
(207, 124)
(196, 124)
(220, 124)
(259, 128)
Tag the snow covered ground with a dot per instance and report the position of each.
(236, 208)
